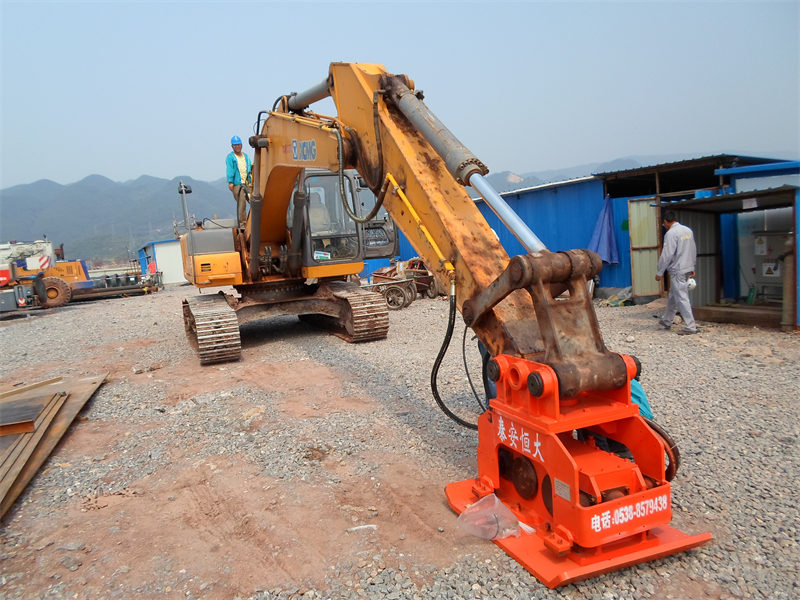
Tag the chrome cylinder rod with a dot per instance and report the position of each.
(506, 214)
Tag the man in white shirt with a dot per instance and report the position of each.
(678, 258)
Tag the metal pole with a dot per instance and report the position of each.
(186, 219)
(506, 214)
(189, 238)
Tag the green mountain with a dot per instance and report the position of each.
(102, 220)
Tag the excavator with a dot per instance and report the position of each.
(585, 511)
(290, 258)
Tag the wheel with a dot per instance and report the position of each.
(411, 293)
(431, 291)
(396, 297)
(57, 292)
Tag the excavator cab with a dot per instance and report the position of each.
(332, 237)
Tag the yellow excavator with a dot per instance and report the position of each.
(585, 511)
(296, 257)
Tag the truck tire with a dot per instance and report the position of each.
(57, 292)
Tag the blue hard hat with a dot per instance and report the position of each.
(236, 140)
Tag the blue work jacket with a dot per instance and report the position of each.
(233, 168)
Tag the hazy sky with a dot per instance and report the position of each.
(129, 88)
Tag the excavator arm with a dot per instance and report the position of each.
(420, 170)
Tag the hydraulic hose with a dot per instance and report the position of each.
(670, 447)
(451, 320)
(343, 192)
(466, 369)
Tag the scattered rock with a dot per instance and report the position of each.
(73, 564)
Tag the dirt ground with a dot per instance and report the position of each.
(218, 527)
(167, 485)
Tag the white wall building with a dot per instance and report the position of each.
(166, 255)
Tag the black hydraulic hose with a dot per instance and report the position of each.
(343, 192)
(466, 369)
(283, 100)
(451, 320)
(484, 377)
(257, 124)
(372, 184)
(378, 142)
(670, 447)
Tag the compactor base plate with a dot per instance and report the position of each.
(530, 551)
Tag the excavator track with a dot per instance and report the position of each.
(367, 318)
(212, 328)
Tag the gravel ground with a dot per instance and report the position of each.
(728, 396)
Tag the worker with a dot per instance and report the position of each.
(678, 258)
(238, 173)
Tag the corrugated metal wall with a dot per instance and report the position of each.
(564, 217)
(706, 237)
(644, 246)
(406, 249)
(169, 261)
(620, 275)
(797, 257)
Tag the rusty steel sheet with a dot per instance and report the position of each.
(18, 415)
(17, 448)
(27, 452)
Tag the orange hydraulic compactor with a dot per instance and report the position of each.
(591, 511)
(587, 511)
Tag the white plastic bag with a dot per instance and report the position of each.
(489, 519)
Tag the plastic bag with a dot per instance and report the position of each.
(489, 519)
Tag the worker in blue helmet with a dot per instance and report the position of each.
(239, 178)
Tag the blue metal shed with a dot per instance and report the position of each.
(563, 215)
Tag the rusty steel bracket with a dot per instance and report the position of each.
(572, 342)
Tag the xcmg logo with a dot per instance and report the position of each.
(304, 150)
